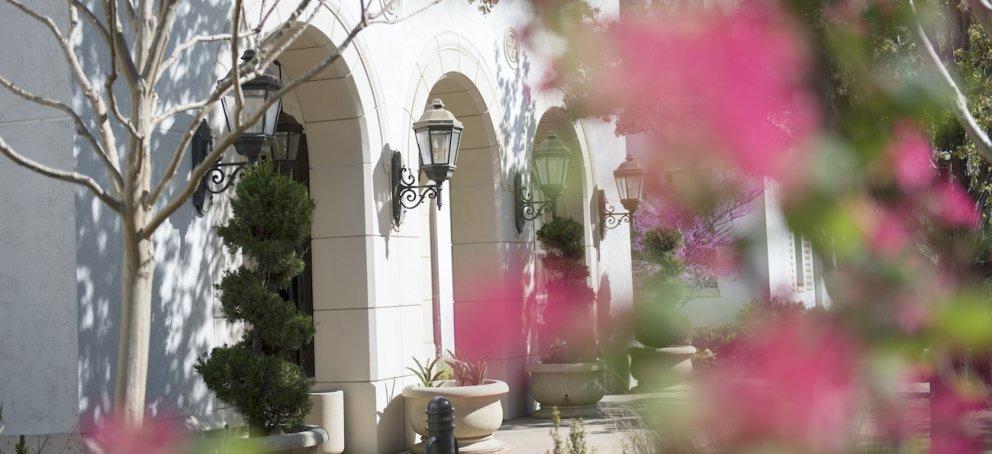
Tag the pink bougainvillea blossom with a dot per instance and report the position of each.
(912, 158)
(889, 237)
(953, 206)
(114, 435)
(799, 389)
(730, 85)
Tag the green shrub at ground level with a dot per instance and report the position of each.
(658, 321)
(271, 216)
(565, 332)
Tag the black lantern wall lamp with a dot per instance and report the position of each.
(275, 137)
(630, 186)
(551, 162)
(438, 134)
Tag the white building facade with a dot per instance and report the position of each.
(374, 284)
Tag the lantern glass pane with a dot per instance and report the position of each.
(541, 168)
(440, 144)
(289, 145)
(456, 138)
(636, 187)
(557, 169)
(253, 101)
(622, 189)
(424, 145)
(227, 103)
(271, 116)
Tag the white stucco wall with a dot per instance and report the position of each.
(38, 381)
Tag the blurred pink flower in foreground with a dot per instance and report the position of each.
(729, 85)
(954, 429)
(954, 206)
(797, 391)
(911, 156)
(113, 435)
(889, 236)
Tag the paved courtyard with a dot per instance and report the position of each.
(532, 435)
(614, 431)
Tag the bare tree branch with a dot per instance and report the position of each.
(113, 168)
(96, 102)
(115, 57)
(239, 100)
(132, 16)
(94, 21)
(381, 17)
(220, 90)
(189, 44)
(163, 27)
(119, 47)
(228, 139)
(71, 177)
(267, 56)
(959, 102)
(172, 111)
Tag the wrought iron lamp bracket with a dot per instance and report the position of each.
(525, 208)
(407, 194)
(608, 217)
(217, 180)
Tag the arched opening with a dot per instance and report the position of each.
(571, 203)
(486, 257)
(334, 168)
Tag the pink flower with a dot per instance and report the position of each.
(724, 85)
(114, 435)
(954, 206)
(798, 391)
(911, 154)
(951, 408)
(888, 235)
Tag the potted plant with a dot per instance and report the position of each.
(569, 375)
(271, 217)
(664, 356)
(476, 400)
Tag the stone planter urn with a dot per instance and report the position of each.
(327, 411)
(575, 388)
(658, 368)
(478, 413)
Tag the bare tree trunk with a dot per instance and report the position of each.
(135, 326)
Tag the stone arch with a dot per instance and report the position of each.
(345, 128)
(577, 200)
(482, 303)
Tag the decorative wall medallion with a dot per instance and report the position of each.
(511, 48)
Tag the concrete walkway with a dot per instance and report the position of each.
(614, 431)
(532, 436)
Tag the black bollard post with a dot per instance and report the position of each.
(440, 427)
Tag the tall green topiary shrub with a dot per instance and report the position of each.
(271, 219)
(657, 318)
(565, 325)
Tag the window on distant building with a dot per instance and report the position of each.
(802, 260)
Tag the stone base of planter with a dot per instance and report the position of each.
(303, 442)
(658, 368)
(575, 388)
(569, 411)
(482, 445)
